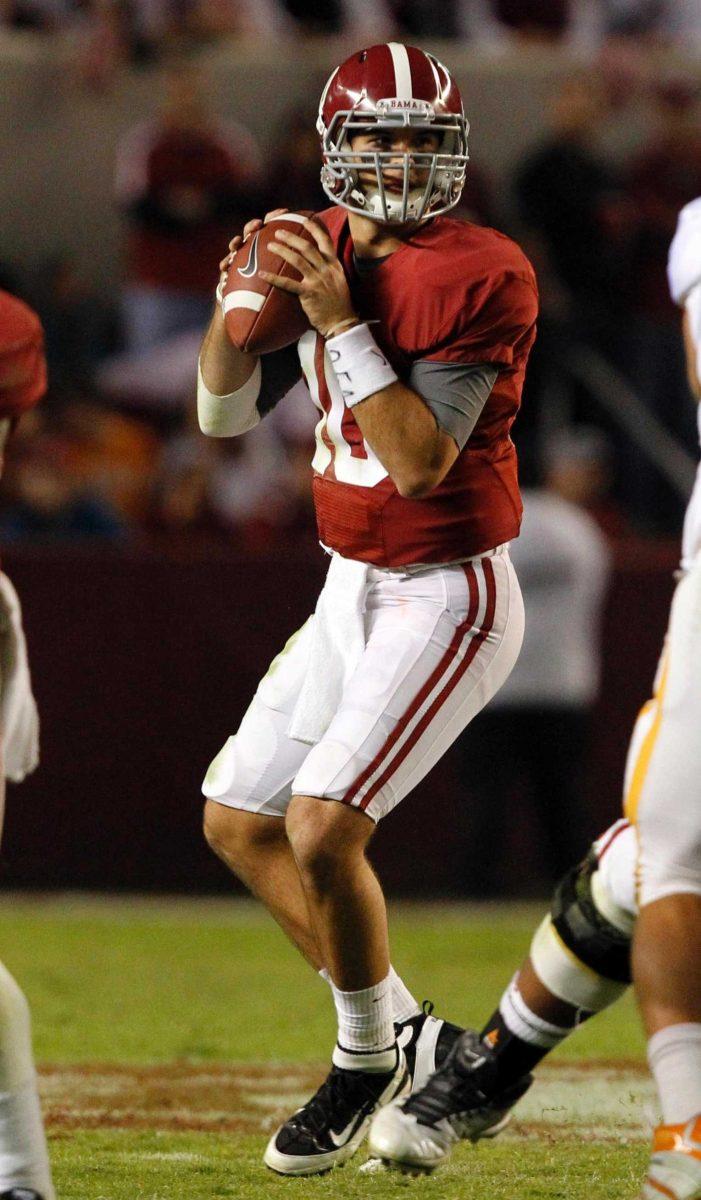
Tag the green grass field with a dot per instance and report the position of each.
(172, 1035)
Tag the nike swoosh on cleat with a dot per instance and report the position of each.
(340, 1139)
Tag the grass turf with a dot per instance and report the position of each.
(126, 981)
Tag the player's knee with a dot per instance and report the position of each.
(581, 951)
(238, 837)
(316, 855)
(227, 834)
(316, 830)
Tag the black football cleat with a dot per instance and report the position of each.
(462, 1100)
(21, 1193)
(426, 1041)
(330, 1127)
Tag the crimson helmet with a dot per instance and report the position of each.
(389, 87)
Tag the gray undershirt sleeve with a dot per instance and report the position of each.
(280, 371)
(455, 393)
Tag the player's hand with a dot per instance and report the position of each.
(236, 242)
(323, 290)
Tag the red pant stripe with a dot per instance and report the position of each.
(428, 687)
(440, 700)
(425, 691)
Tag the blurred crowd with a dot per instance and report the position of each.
(115, 451)
(140, 29)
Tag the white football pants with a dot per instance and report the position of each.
(438, 644)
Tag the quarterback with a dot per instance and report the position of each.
(641, 883)
(24, 1164)
(420, 329)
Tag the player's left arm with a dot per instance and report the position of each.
(393, 418)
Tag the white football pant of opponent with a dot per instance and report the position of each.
(663, 799)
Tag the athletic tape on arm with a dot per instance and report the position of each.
(228, 416)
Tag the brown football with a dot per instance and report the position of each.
(258, 316)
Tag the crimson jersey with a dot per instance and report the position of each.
(454, 293)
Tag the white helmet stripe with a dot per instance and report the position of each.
(402, 70)
(436, 76)
(325, 92)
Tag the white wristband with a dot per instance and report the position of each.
(359, 365)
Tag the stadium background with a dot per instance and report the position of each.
(168, 1029)
(146, 647)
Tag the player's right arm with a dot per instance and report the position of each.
(235, 389)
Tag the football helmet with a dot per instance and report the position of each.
(390, 87)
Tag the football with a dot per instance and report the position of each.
(259, 317)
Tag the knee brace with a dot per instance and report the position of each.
(581, 951)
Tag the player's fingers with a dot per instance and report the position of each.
(251, 227)
(233, 247)
(305, 248)
(280, 281)
(275, 212)
(291, 256)
(321, 236)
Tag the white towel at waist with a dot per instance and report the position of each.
(337, 643)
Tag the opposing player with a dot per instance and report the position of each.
(421, 329)
(24, 1164)
(578, 958)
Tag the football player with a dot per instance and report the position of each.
(24, 1163)
(420, 329)
(578, 962)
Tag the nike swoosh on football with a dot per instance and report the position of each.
(252, 265)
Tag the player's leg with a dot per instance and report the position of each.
(24, 1160)
(439, 646)
(578, 964)
(662, 797)
(249, 788)
(257, 850)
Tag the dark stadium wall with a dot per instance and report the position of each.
(44, 213)
(144, 665)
